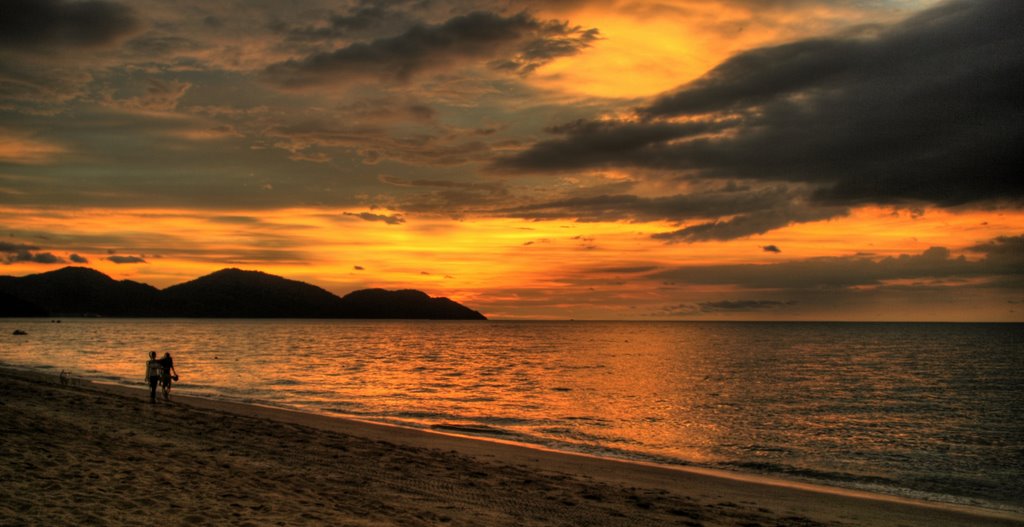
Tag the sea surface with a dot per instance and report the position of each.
(932, 411)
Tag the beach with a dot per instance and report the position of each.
(94, 454)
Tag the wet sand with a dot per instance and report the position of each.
(90, 454)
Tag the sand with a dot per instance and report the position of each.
(91, 454)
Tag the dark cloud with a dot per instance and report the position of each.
(320, 141)
(1003, 247)
(519, 43)
(743, 305)
(758, 222)
(723, 306)
(7, 247)
(126, 259)
(237, 220)
(595, 144)
(46, 258)
(76, 258)
(771, 249)
(393, 219)
(30, 86)
(19, 252)
(926, 110)
(38, 24)
(445, 196)
(752, 211)
(441, 184)
(162, 45)
(358, 268)
(361, 20)
(639, 269)
(700, 204)
(936, 263)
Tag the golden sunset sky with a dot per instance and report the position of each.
(650, 160)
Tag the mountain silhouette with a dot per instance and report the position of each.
(250, 294)
(228, 293)
(81, 291)
(406, 303)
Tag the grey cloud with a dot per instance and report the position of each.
(19, 252)
(753, 211)
(926, 110)
(441, 184)
(638, 269)
(723, 306)
(158, 95)
(703, 204)
(26, 256)
(456, 203)
(361, 20)
(7, 247)
(213, 22)
(592, 144)
(29, 86)
(843, 272)
(771, 249)
(238, 220)
(454, 198)
(374, 144)
(38, 24)
(386, 110)
(76, 258)
(758, 222)
(518, 42)
(126, 259)
(1008, 247)
(393, 219)
(743, 305)
(46, 258)
(163, 45)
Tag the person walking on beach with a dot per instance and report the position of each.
(167, 374)
(153, 373)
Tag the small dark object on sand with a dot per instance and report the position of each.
(19, 332)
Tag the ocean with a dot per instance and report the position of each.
(931, 411)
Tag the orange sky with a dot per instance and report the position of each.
(574, 165)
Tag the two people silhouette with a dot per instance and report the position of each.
(160, 371)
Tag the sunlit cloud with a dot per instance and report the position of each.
(22, 150)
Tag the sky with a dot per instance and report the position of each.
(604, 159)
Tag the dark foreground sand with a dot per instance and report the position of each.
(90, 454)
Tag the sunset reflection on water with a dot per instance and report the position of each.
(928, 408)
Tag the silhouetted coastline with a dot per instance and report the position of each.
(228, 293)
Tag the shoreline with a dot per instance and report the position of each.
(240, 404)
(526, 474)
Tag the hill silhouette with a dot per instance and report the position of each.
(250, 294)
(81, 291)
(228, 293)
(406, 303)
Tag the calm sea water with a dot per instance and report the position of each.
(924, 410)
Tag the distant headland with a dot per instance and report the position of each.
(228, 293)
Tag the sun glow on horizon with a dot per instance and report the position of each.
(501, 266)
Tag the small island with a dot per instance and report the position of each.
(228, 293)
